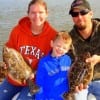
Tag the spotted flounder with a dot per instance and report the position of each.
(80, 72)
(18, 69)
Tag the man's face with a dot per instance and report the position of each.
(81, 18)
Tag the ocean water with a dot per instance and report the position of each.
(12, 10)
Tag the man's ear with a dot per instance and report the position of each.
(91, 13)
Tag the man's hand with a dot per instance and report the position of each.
(94, 60)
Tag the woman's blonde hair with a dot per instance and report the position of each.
(39, 2)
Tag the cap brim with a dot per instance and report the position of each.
(78, 7)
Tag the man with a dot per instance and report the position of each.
(86, 38)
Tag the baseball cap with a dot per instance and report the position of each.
(80, 4)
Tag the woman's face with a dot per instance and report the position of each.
(37, 14)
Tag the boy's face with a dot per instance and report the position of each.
(59, 47)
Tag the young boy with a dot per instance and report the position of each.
(52, 72)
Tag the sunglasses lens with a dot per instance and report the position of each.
(84, 12)
(76, 14)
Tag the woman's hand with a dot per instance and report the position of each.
(32, 76)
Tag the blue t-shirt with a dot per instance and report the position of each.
(52, 77)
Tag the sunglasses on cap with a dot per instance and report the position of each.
(82, 13)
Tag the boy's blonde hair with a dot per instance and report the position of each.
(65, 36)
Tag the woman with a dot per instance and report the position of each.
(31, 37)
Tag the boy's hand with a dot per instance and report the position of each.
(80, 87)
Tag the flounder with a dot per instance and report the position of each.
(80, 72)
(18, 69)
